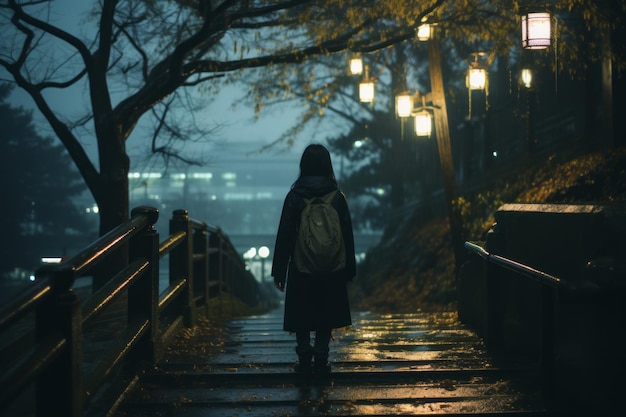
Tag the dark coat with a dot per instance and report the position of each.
(313, 302)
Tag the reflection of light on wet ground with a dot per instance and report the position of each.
(382, 365)
(415, 338)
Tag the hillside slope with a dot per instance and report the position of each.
(412, 268)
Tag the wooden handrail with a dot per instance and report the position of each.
(550, 286)
(51, 354)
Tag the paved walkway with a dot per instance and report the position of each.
(405, 364)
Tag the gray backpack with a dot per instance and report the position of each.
(319, 245)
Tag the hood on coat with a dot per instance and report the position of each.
(314, 186)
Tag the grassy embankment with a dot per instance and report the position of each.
(413, 267)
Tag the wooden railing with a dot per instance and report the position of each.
(43, 330)
(494, 316)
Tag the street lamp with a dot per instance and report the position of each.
(476, 79)
(366, 88)
(263, 252)
(424, 32)
(536, 32)
(526, 77)
(253, 254)
(356, 65)
(423, 123)
(405, 107)
(404, 104)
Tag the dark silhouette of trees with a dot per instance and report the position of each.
(138, 60)
(37, 184)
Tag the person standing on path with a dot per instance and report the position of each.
(316, 299)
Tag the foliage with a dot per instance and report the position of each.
(418, 272)
(38, 184)
(141, 60)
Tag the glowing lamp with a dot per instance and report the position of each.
(356, 66)
(476, 78)
(423, 123)
(366, 91)
(527, 77)
(404, 105)
(366, 88)
(424, 32)
(536, 30)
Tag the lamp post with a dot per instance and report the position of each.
(423, 124)
(406, 107)
(442, 131)
(263, 253)
(526, 80)
(253, 254)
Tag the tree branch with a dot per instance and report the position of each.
(71, 143)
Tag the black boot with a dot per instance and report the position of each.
(304, 361)
(320, 350)
(321, 364)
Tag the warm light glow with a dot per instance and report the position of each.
(251, 253)
(356, 66)
(476, 78)
(536, 30)
(423, 123)
(264, 252)
(424, 32)
(527, 77)
(404, 105)
(51, 260)
(366, 91)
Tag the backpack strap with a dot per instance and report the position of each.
(328, 198)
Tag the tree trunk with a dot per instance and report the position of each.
(113, 203)
(445, 153)
(398, 85)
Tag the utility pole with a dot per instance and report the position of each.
(442, 131)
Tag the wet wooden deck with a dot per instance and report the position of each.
(404, 364)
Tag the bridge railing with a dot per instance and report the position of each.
(494, 315)
(202, 263)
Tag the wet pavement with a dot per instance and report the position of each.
(384, 364)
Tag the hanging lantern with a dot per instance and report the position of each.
(423, 123)
(527, 77)
(424, 32)
(404, 105)
(476, 77)
(356, 65)
(366, 91)
(536, 30)
(366, 88)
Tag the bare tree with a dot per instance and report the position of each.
(140, 54)
(153, 49)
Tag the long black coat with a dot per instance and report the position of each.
(313, 302)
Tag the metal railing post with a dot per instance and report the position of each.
(143, 294)
(181, 263)
(59, 387)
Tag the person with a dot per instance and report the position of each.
(314, 302)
